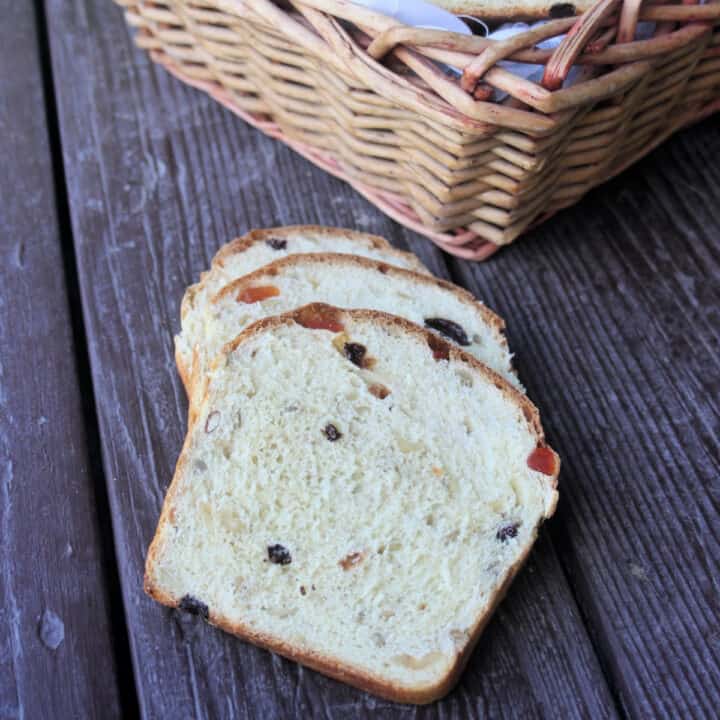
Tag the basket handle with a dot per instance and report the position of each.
(575, 41)
(628, 20)
(500, 50)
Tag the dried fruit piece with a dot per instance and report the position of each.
(506, 532)
(543, 460)
(213, 421)
(276, 243)
(303, 591)
(319, 317)
(440, 349)
(351, 560)
(193, 606)
(355, 353)
(379, 391)
(257, 294)
(279, 554)
(331, 432)
(449, 329)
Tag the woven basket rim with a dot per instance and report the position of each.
(478, 58)
(536, 151)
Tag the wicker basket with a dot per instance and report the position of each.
(371, 100)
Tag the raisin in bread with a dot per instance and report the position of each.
(260, 247)
(364, 520)
(350, 282)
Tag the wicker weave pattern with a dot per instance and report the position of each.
(365, 97)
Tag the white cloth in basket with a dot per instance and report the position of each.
(417, 14)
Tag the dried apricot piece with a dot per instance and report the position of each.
(543, 460)
(322, 317)
(440, 349)
(257, 294)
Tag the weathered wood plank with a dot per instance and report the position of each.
(159, 176)
(56, 649)
(614, 310)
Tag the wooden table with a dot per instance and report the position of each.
(117, 186)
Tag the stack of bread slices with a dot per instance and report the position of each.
(363, 474)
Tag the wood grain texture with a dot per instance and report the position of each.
(159, 177)
(56, 651)
(614, 312)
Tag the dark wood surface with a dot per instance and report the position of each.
(56, 644)
(158, 178)
(612, 310)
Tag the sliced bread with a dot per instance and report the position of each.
(260, 247)
(364, 520)
(350, 282)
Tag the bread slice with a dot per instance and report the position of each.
(515, 9)
(364, 521)
(350, 282)
(260, 247)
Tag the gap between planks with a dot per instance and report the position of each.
(121, 647)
